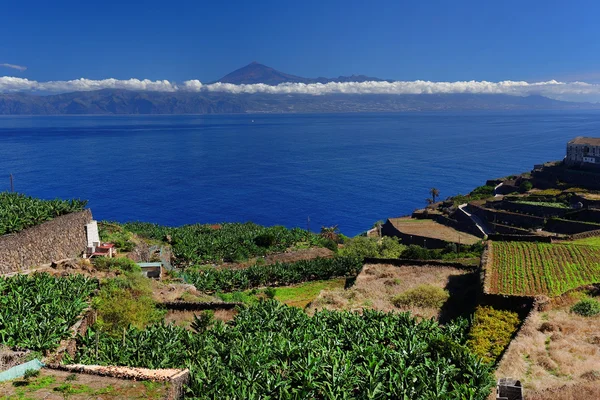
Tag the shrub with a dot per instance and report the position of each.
(525, 186)
(390, 247)
(330, 244)
(422, 296)
(491, 332)
(31, 373)
(202, 321)
(587, 307)
(362, 246)
(126, 301)
(270, 292)
(265, 240)
(113, 233)
(414, 252)
(123, 264)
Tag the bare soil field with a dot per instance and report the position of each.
(432, 229)
(556, 355)
(59, 385)
(168, 292)
(378, 284)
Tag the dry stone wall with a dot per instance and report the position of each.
(60, 238)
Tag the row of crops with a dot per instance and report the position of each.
(18, 211)
(274, 351)
(279, 274)
(529, 269)
(201, 244)
(37, 311)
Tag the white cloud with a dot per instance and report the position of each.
(13, 84)
(552, 89)
(14, 66)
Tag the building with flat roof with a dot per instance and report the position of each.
(583, 152)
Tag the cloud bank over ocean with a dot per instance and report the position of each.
(572, 91)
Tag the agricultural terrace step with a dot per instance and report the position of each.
(192, 305)
(143, 374)
(401, 262)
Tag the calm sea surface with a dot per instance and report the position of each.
(349, 169)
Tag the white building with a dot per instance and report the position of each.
(583, 152)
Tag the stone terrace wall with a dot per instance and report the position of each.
(506, 217)
(586, 215)
(538, 211)
(567, 227)
(60, 238)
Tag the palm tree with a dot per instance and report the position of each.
(331, 232)
(434, 193)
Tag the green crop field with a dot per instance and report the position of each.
(273, 351)
(529, 269)
(37, 311)
(18, 211)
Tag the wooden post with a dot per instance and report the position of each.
(12, 186)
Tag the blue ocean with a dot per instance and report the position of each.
(348, 170)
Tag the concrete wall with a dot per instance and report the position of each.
(60, 238)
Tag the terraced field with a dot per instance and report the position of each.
(529, 269)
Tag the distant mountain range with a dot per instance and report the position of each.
(113, 101)
(259, 73)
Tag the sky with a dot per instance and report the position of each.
(178, 41)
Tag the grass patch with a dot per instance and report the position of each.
(426, 296)
(491, 332)
(543, 204)
(591, 241)
(301, 295)
(297, 295)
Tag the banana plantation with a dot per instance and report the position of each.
(275, 351)
(18, 211)
(209, 279)
(37, 311)
(202, 244)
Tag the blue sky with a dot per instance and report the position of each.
(182, 40)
